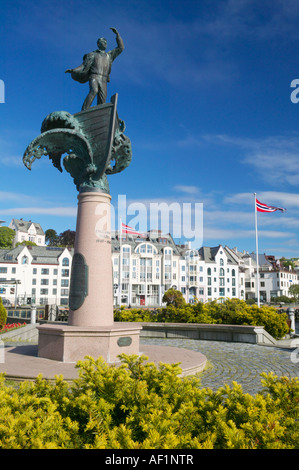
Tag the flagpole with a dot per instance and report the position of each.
(257, 255)
(120, 261)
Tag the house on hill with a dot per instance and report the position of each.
(28, 231)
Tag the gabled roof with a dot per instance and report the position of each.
(24, 225)
(40, 254)
(208, 254)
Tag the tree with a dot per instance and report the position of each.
(7, 236)
(51, 237)
(174, 297)
(67, 238)
(294, 291)
(3, 314)
(286, 263)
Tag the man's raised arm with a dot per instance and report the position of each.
(120, 44)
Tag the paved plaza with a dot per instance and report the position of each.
(227, 361)
(239, 362)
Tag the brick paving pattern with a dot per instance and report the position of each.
(239, 362)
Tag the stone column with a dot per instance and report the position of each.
(91, 290)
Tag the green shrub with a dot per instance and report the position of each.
(141, 406)
(3, 314)
(174, 297)
(230, 312)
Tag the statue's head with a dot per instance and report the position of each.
(102, 44)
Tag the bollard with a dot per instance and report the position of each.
(291, 314)
(33, 315)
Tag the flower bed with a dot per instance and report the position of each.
(11, 326)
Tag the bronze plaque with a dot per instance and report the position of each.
(124, 341)
(79, 282)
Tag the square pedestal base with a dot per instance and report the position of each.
(67, 343)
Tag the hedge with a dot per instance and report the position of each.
(141, 406)
(232, 312)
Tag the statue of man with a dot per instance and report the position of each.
(96, 68)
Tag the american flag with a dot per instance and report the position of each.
(260, 207)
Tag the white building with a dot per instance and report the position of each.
(274, 279)
(27, 231)
(35, 274)
(145, 268)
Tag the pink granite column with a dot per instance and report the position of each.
(93, 246)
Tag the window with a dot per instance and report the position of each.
(44, 282)
(65, 262)
(221, 272)
(25, 260)
(221, 262)
(45, 271)
(209, 271)
(233, 272)
(64, 282)
(4, 270)
(44, 292)
(65, 272)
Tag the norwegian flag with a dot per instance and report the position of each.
(260, 207)
(130, 230)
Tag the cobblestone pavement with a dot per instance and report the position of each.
(239, 362)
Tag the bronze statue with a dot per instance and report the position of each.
(96, 68)
(91, 144)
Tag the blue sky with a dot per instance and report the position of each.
(204, 89)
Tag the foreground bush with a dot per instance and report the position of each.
(3, 314)
(141, 406)
(232, 312)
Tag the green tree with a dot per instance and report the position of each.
(174, 297)
(51, 237)
(286, 263)
(67, 238)
(7, 236)
(3, 314)
(294, 291)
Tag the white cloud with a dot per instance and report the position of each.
(186, 189)
(55, 211)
